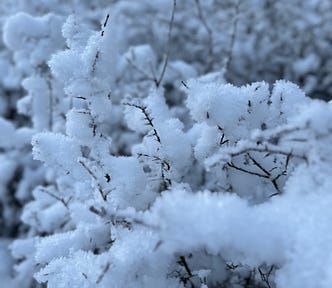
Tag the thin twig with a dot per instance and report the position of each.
(94, 64)
(209, 32)
(145, 75)
(147, 117)
(232, 266)
(100, 213)
(104, 25)
(100, 189)
(184, 84)
(230, 164)
(269, 150)
(266, 276)
(101, 276)
(165, 166)
(168, 45)
(183, 262)
(267, 173)
(222, 141)
(65, 203)
(229, 53)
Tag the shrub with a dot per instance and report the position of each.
(158, 171)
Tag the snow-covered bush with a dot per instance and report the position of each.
(152, 171)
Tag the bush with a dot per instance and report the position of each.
(158, 171)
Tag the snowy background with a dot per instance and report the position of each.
(166, 143)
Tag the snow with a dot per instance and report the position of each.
(58, 150)
(131, 155)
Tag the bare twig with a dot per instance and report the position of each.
(232, 266)
(144, 74)
(165, 166)
(94, 64)
(104, 25)
(184, 263)
(185, 278)
(184, 84)
(147, 117)
(106, 20)
(222, 141)
(229, 53)
(80, 97)
(269, 150)
(101, 276)
(209, 32)
(100, 213)
(168, 46)
(230, 164)
(267, 173)
(266, 276)
(84, 275)
(63, 201)
(100, 189)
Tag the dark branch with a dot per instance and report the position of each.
(266, 276)
(269, 151)
(183, 262)
(104, 25)
(230, 164)
(165, 166)
(63, 201)
(147, 117)
(101, 276)
(267, 173)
